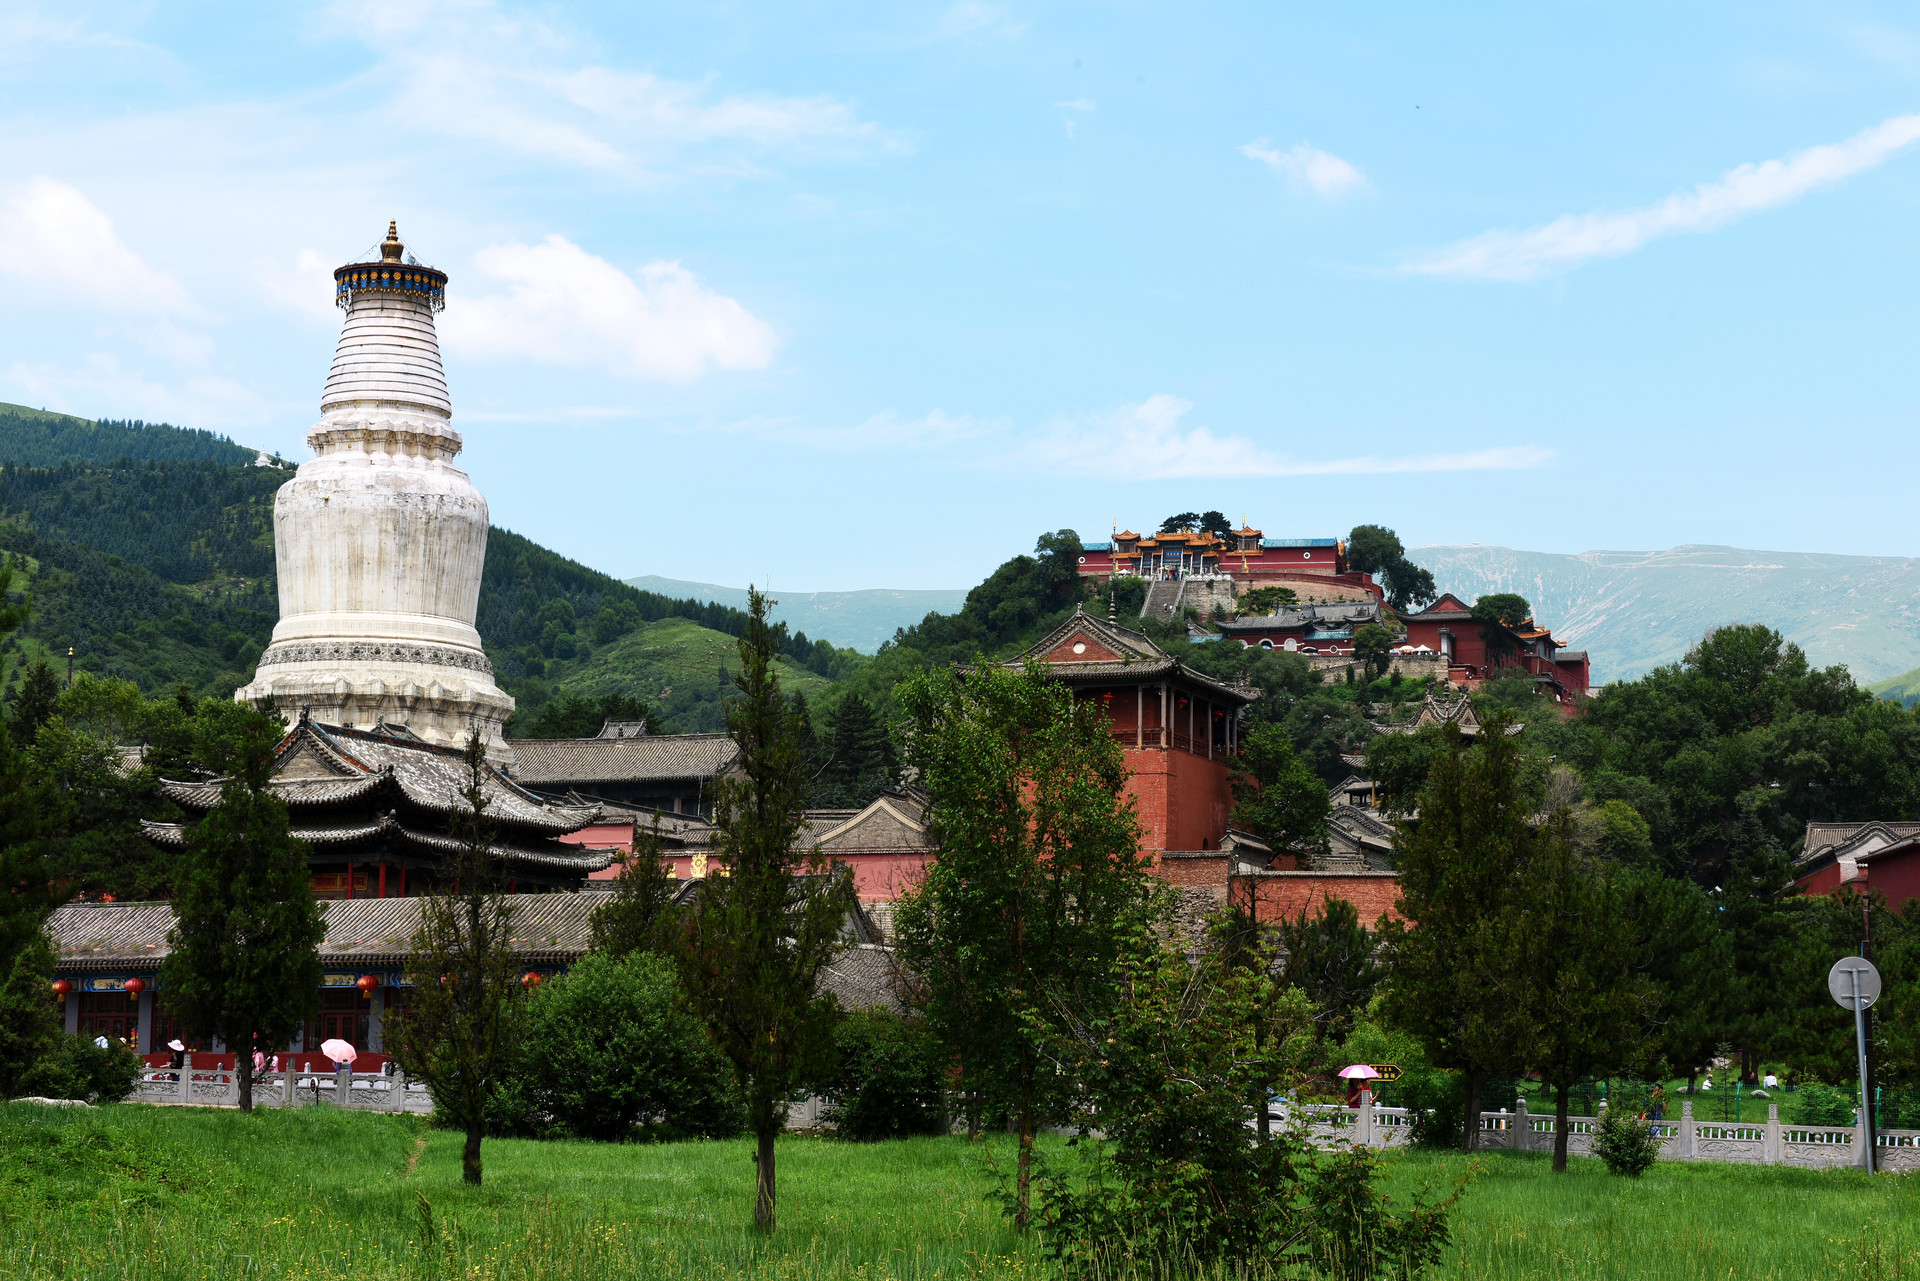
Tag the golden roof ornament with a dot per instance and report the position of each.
(391, 248)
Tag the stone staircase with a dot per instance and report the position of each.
(1163, 600)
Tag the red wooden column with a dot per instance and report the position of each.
(349, 878)
(383, 878)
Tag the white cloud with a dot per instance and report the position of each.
(57, 243)
(887, 431)
(971, 16)
(1079, 104)
(1147, 439)
(467, 69)
(1573, 239)
(565, 306)
(102, 388)
(1307, 167)
(305, 285)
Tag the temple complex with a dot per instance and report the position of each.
(1314, 568)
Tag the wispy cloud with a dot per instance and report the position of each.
(975, 17)
(57, 243)
(934, 430)
(1573, 239)
(565, 306)
(99, 386)
(468, 69)
(1112, 445)
(1307, 168)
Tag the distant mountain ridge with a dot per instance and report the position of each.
(1632, 611)
(863, 620)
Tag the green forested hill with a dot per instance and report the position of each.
(37, 438)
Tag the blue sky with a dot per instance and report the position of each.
(842, 296)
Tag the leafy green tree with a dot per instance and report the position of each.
(889, 1083)
(1592, 1004)
(1269, 600)
(243, 962)
(1498, 614)
(461, 1032)
(574, 715)
(639, 914)
(1376, 550)
(29, 1023)
(1373, 649)
(1211, 522)
(1459, 979)
(1332, 958)
(1276, 797)
(757, 939)
(610, 1047)
(1039, 877)
(1398, 765)
(98, 795)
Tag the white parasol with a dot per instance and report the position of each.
(339, 1051)
(175, 1045)
(1358, 1072)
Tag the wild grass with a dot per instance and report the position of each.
(317, 1195)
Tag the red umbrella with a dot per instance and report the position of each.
(339, 1051)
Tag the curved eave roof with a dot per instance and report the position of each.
(563, 857)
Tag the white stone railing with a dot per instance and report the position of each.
(1769, 1142)
(220, 1087)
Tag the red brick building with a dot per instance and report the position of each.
(1448, 627)
(1179, 727)
(1880, 857)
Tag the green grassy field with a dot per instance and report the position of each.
(139, 1193)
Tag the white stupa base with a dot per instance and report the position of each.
(367, 681)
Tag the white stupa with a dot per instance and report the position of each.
(380, 539)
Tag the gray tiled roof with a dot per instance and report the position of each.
(553, 854)
(372, 931)
(1140, 658)
(863, 977)
(325, 765)
(560, 762)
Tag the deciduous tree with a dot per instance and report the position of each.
(1039, 876)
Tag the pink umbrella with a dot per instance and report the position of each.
(339, 1051)
(1352, 1072)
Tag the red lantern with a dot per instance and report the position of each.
(61, 987)
(367, 983)
(136, 986)
(532, 979)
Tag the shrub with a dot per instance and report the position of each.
(1823, 1105)
(888, 1085)
(76, 1068)
(1626, 1142)
(610, 1048)
(1436, 1103)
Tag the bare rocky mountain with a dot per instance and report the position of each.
(1636, 610)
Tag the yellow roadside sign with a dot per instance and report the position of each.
(1387, 1071)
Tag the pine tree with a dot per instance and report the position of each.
(859, 749)
(1039, 879)
(1459, 978)
(33, 706)
(638, 915)
(461, 1032)
(244, 962)
(759, 934)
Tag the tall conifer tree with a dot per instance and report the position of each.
(462, 1029)
(759, 932)
(244, 960)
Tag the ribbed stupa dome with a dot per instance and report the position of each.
(380, 540)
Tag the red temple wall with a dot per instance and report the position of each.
(1182, 799)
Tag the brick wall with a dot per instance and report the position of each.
(1285, 895)
(1182, 799)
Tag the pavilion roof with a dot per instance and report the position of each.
(324, 765)
(1137, 658)
(562, 762)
